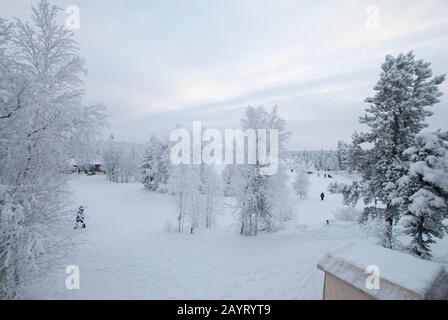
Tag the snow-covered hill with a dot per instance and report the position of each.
(125, 253)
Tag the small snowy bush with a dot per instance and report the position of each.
(169, 227)
(373, 227)
(347, 213)
(163, 188)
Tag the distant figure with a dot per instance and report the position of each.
(191, 230)
(325, 175)
(328, 221)
(80, 219)
(318, 175)
(322, 196)
(292, 170)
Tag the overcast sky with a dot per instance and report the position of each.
(156, 64)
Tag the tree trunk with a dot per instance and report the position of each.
(251, 225)
(179, 218)
(256, 225)
(388, 216)
(419, 240)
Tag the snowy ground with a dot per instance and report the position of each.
(125, 254)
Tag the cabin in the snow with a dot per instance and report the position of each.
(91, 167)
(367, 272)
(97, 166)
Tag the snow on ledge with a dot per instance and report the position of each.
(402, 276)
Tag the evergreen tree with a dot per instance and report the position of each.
(423, 192)
(154, 171)
(256, 208)
(228, 178)
(111, 158)
(80, 218)
(396, 115)
(342, 154)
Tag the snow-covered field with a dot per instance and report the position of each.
(125, 252)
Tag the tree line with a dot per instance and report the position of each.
(198, 188)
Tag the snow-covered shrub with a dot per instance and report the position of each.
(348, 213)
(169, 227)
(373, 227)
(371, 212)
(423, 192)
(350, 192)
(163, 188)
(301, 184)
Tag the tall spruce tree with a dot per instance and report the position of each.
(396, 115)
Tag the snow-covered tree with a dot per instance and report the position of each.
(196, 189)
(133, 154)
(43, 123)
(227, 176)
(263, 200)
(111, 158)
(342, 154)
(256, 211)
(396, 115)
(301, 184)
(321, 160)
(154, 170)
(423, 192)
(210, 190)
(183, 184)
(121, 160)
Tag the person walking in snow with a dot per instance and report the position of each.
(80, 219)
(322, 196)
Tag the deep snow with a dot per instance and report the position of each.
(125, 254)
